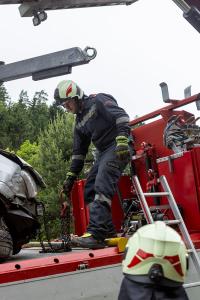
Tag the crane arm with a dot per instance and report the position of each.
(37, 9)
(48, 65)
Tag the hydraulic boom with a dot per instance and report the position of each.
(37, 9)
(47, 66)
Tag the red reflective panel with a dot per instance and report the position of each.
(139, 257)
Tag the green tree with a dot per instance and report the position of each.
(18, 124)
(4, 101)
(55, 149)
(39, 114)
(25, 119)
(17, 121)
(54, 110)
(23, 98)
(4, 141)
(29, 152)
(4, 97)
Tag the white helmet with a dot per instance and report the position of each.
(156, 244)
(66, 90)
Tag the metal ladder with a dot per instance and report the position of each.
(178, 218)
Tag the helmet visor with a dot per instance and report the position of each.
(59, 101)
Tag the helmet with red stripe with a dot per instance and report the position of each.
(67, 90)
(156, 245)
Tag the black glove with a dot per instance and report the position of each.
(69, 182)
(122, 148)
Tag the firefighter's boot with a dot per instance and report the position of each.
(100, 222)
(88, 241)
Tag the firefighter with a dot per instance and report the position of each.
(155, 265)
(101, 121)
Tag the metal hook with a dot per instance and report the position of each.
(90, 56)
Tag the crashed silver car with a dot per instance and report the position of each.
(19, 185)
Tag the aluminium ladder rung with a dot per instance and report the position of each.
(159, 194)
(192, 284)
(189, 250)
(159, 207)
(182, 226)
(172, 222)
(174, 207)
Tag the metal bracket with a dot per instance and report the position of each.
(26, 8)
(38, 8)
(187, 92)
(190, 13)
(165, 92)
(182, 5)
(47, 66)
(193, 17)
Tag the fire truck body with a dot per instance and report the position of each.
(97, 274)
(76, 275)
(79, 275)
(181, 169)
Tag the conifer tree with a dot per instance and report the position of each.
(4, 101)
(55, 149)
(4, 97)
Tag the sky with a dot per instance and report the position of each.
(138, 47)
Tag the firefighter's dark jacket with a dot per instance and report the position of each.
(100, 121)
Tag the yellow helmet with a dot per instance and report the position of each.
(156, 244)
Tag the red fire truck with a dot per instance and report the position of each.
(166, 142)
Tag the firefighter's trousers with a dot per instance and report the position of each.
(131, 290)
(99, 190)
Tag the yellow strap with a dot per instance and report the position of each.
(120, 242)
(85, 235)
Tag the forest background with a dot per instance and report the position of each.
(42, 135)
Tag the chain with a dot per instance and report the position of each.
(65, 225)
